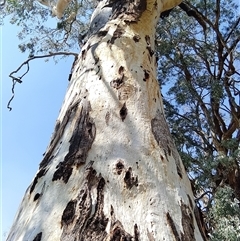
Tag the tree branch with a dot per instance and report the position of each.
(2, 4)
(19, 79)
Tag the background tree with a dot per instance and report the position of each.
(200, 77)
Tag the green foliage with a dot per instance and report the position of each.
(41, 33)
(200, 77)
(225, 216)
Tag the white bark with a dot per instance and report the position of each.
(111, 171)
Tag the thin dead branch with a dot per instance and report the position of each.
(19, 79)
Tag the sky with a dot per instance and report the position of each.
(26, 130)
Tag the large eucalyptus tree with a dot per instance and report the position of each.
(199, 72)
(111, 170)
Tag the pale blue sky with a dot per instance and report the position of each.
(27, 129)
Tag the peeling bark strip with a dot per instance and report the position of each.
(40, 174)
(128, 10)
(173, 227)
(136, 233)
(77, 221)
(117, 34)
(58, 132)
(162, 135)
(151, 52)
(146, 75)
(118, 233)
(69, 213)
(187, 224)
(200, 222)
(80, 142)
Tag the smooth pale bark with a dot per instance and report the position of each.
(111, 171)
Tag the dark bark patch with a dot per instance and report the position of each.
(163, 137)
(117, 34)
(69, 77)
(173, 227)
(84, 53)
(80, 143)
(129, 179)
(102, 33)
(136, 38)
(148, 41)
(123, 112)
(117, 231)
(179, 171)
(83, 218)
(201, 223)
(117, 83)
(165, 14)
(64, 171)
(107, 117)
(187, 224)
(128, 10)
(58, 132)
(96, 225)
(36, 197)
(69, 213)
(38, 237)
(119, 167)
(40, 173)
(190, 201)
(146, 75)
(136, 233)
(121, 70)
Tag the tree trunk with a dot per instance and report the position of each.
(111, 170)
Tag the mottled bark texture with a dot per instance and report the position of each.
(111, 171)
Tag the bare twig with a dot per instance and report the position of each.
(2, 4)
(19, 79)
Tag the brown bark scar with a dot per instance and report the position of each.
(123, 112)
(146, 75)
(58, 132)
(129, 11)
(40, 174)
(81, 219)
(80, 143)
(129, 179)
(38, 237)
(173, 227)
(119, 167)
(163, 137)
(187, 224)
